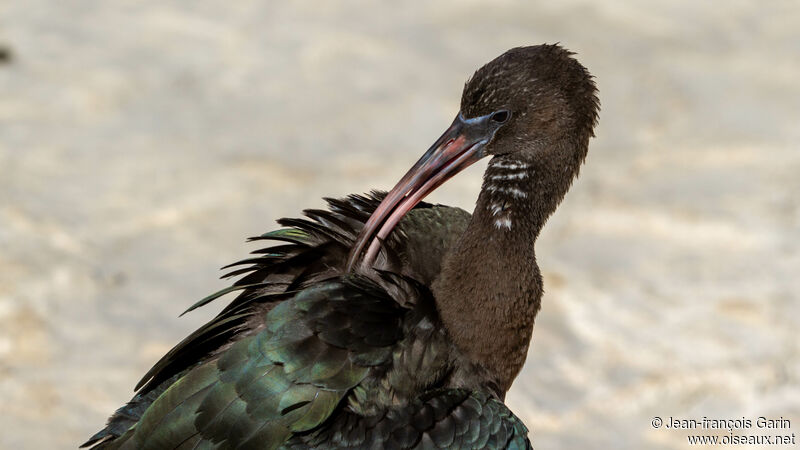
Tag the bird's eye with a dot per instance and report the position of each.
(501, 116)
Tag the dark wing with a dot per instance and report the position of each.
(442, 419)
(288, 378)
(310, 251)
(313, 250)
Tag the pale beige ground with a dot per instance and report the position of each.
(142, 141)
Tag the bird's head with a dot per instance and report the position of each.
(537, 96)
(529, 103)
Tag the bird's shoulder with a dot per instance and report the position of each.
(292, 287)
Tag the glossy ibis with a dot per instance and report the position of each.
(385, 322)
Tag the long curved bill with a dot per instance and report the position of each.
(461, 145)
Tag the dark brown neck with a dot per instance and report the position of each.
(490, 287)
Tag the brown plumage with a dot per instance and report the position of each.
(491, 284)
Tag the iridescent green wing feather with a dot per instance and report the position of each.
(286, 379)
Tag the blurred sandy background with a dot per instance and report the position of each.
(142, 141)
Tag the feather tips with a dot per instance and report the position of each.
(446, 418)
